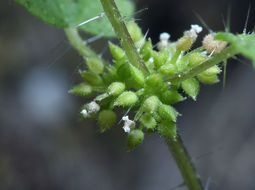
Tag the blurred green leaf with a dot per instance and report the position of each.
(245, 43)
(70, 13)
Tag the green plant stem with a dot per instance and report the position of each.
(76, 41)
(183, 161)
(225, 54)
(122, 33)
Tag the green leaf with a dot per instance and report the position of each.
(70, 13)
(245, 43)
(191, 87)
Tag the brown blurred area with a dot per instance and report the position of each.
(43, 145)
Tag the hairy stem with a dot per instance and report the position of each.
(183, 161)
(76, 41)
(225, 54)
(121, 32)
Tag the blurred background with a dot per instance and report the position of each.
(43, 145)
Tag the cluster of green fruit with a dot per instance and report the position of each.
(148, 94)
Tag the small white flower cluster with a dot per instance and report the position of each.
(90, 109)
(164, 40)
(129, 125)
(193, 32)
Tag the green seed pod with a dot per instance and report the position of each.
(197, 58)
(134, 31)
(167, 129)
(127, 98)
(148, 122)
(92, 78)
(106, 119)
(95, 65)
(117, 52)
(191, 87)
(135, 138)
(137, 75)
(82, 89)
(124, 71)
(146, 50)
(171, 97)
(209, 76)
(184, 43)
(151, 104)
(168, 69)
(116, 88)
(167, 112)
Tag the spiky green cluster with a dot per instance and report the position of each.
(148, 94)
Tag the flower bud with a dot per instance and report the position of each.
(184, 43)
(148, 122)
(82, 89)
(167, 112)
(196, 58)
(116, 51)
(135, 138)
(92, 78)
(209, 76)
(160, 57)
(171, 97)
(151, 104)
(167, 129)
(127, 98)
(154, 80)
(116, 88)
(168, 69)
(191, 87)
(134, 31)
(137, 75)
(95, 65)
(146, 50)
(106, 119)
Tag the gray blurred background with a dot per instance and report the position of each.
(43, 145)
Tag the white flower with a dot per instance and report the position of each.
(196, 28)
(129, 125)
(84, 113)
(192, 33)
(93, 107)
(164, 36)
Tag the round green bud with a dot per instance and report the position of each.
(95, 65)
(116, 88)
(148, 122)
(135, 138)
(197, 58)
(151, 104)
(134, 31)
(127, 98)
(209, 76)
(106, 119)
(168, 69)
(184, 43)
(117, 52)
(167, 112)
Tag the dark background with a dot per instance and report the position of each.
(43, 145)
